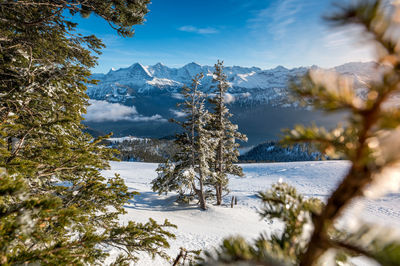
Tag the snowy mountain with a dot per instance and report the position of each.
(138, 100)
(247, 84)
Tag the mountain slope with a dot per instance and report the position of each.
(257, 98)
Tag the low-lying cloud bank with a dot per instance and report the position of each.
(103, 111)
(177, 113)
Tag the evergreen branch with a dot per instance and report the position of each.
(349, 247)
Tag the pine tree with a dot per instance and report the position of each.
(190, 166)
(55, 207)
(369, 141)
(225, 134)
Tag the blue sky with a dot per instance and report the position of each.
(263, 33)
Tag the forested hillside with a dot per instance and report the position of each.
(272, 151)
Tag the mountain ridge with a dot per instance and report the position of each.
(246, 83)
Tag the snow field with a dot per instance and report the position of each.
(205, 229)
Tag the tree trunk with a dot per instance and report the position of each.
(218, 193)
(200, 193)
(202, 200)
(218, 185)
(178, 258)
(201, 197)
(218, 197)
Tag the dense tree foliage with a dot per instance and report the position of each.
(144, 150)
(273, 151)
(55, 207)
(369, 140)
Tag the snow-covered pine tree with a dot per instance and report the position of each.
(55, 207)
(225, 135)
(189, 170)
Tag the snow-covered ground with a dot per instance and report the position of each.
(204, 229)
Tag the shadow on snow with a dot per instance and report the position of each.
(155, 202)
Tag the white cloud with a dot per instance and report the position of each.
(177, 113)
(229, 98)
(99, 111)
(141, 118)
(189, 28)
(277, 18)
(102, 111)
(177, 96)
(341, 38)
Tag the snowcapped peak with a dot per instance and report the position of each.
(192, 69)
(111, 70)
(139, 70)
(160, 71)
(159, 64)
(137, 66)
(192, 65)
(264, 84)
(280, 68)
(236, 70)
(354, 67)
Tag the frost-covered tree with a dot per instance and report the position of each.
(369, 141)
(55, 207)
(188, 171)
(225, 135)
